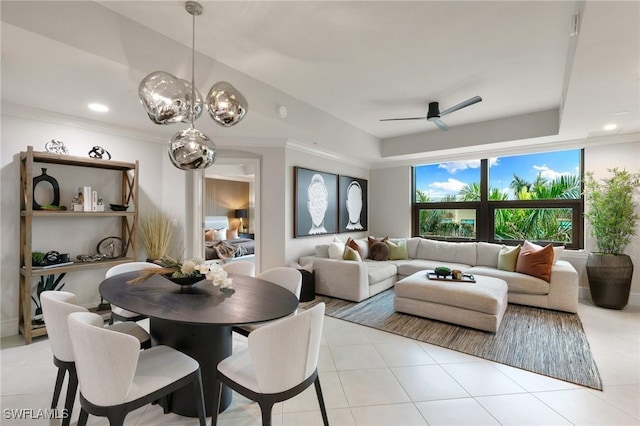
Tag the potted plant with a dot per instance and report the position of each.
(613, 215)
(157, 230)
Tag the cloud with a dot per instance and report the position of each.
(458, 166)
(451, 185)
(549, 174)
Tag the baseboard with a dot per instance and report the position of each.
(9, 327)
(584, 294)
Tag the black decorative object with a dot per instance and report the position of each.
(118, 207)
(99, 152)
(56, 146)
(185, 281)
(44, 177)
(112, 247)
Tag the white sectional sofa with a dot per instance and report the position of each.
(356, 281)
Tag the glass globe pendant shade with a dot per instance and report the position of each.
(190, 149)
(197, 106)
(225, 104)
(164, 97)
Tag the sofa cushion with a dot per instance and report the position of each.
(417, 265)
(487, 254)
(336, 249)
(398, 251)
(447, 252)
(518, 283)
(379, 251)
(322, 250)
(379, 271)
(351, 254)
(508, 258)
(355, 246)
(412, 247)
(535, 262)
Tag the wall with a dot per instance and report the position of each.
(58, 233)
(222, 197)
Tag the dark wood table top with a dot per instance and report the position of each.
(254, 300)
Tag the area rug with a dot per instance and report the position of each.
(546, 342)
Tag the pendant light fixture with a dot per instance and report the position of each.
(169, 99)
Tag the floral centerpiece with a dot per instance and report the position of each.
(188, 272)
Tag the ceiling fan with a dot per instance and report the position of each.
(434, 113)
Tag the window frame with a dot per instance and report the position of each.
(485, 210)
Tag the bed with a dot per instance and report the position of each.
(217, 244)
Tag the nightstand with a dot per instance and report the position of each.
(246, 235)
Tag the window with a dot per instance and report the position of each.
(504, 199)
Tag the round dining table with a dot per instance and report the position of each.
(198, 321)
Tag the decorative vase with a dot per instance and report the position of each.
(609, 279)
(44, 177)
(185, 281)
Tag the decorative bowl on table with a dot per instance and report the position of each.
(185, 281)
(118, 207)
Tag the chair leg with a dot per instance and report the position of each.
(197, 387)
(266, 407)
(217, 395)
(82, 420)
(111, 319)
(116, 417)
(72, 388)
(323, 410)
(58, 387)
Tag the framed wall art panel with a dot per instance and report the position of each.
(315, 208)
(353, 202)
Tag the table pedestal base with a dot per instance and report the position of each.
(207, 344)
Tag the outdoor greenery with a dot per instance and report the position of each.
(612, 210)
(541, 224)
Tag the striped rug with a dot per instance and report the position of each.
(546, 342)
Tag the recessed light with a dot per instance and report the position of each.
(609, 127)
(98, 107)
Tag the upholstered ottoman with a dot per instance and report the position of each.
(478, 305)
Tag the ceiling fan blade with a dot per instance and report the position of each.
(461, 105)
(397, 119)
(439, 123)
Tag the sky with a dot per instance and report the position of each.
(441, 179)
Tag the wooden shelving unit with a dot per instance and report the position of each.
(128, 228)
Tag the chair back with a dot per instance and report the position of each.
(240, 267)
(56, 307)
(129, 267)
(289, 278)
(285, 352)
(105, 360)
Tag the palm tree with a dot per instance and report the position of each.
(517, 184)
(470, 192)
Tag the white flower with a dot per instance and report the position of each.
(188, 267)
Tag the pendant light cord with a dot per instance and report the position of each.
(193, 65)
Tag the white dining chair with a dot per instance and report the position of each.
(280, 362)
(117, 313)
(56, 307)
(289, 278)
(116, 378)
(240, 267)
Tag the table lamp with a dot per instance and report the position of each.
(241, 214)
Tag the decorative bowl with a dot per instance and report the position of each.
(185, 281)
(118, 207)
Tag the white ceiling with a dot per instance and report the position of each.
(358, 61)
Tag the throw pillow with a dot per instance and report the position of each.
(336, 249)
(557, 250)
(354, 245)
(508, 258)
(379, 251)
(537, 263)
(232, 234)
(372, 241)
(351, 254)
(322, 250)
(208, 235)
(398, 251)
(220, 234)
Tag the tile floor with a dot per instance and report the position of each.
(375, 378)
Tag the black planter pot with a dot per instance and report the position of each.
(609, 279)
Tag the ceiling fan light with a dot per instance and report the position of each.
(164, 97)
(226, 105)
(190, 149)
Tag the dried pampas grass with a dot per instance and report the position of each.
(157, 230)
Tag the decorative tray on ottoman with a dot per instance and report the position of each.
(466, 278)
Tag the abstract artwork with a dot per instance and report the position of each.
(352, 199)
(315, 206)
